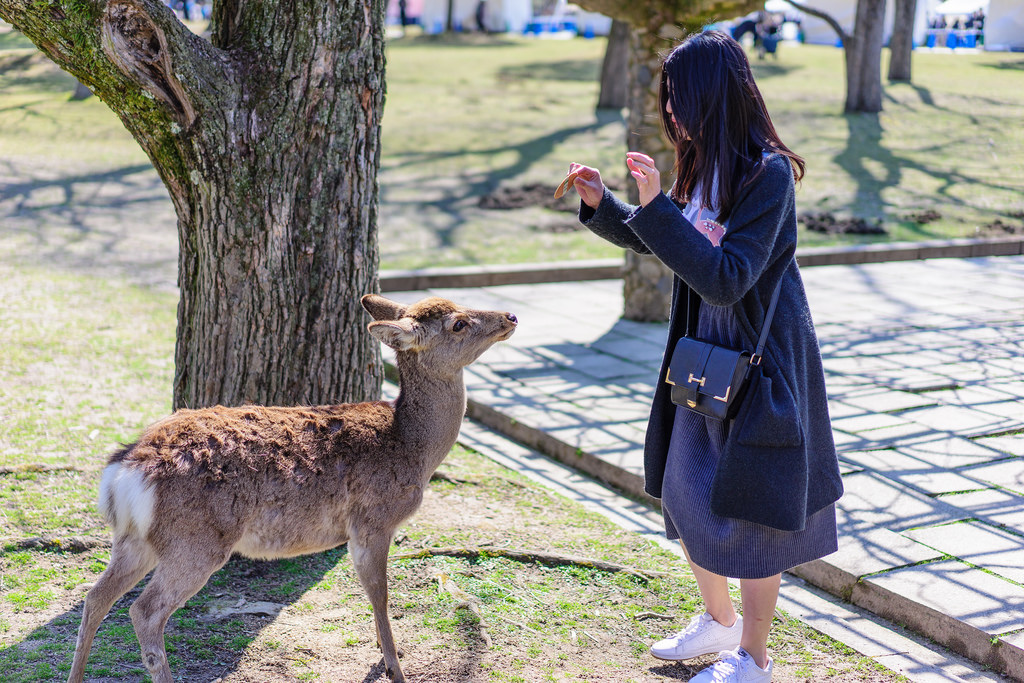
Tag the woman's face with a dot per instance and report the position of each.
(671, 116)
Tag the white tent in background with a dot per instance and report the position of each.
(961, 7)
(1004, 25)
(818, 32)
(499, 15)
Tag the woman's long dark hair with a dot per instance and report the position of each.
(723, 126)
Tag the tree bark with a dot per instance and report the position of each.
(901, 46)
(864, 71)
(615, 68)
(268, 140)
(647, 282)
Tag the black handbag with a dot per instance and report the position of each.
(710, 379)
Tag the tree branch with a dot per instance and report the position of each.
(116, 47)
(36, 467)
(138, 47)
(70, 544)
(657, 16)
(824, 16)
(528, 556)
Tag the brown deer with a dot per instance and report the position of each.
(273, 482)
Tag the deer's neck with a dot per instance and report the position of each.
(429, 411)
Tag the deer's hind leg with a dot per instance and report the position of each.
(182, 571)
(131, 559)
(370, 557)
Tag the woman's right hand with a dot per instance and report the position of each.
(588, 183)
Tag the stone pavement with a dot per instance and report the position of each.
(923, 363)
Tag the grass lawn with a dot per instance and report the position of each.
(468, 117)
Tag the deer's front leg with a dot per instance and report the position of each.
(370, 557)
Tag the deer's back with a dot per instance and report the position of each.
(277, 481)
(220, 445)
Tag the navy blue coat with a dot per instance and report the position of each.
(778, 465)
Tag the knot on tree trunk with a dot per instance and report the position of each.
(138, 47)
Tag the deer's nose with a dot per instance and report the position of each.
(511, 317)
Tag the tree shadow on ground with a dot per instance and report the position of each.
(583, 70)
(115, 220)
(474, 40)
(1014, 66)
(873, 166)
(455, 198)
(768, 69)
(201, 644)
(32, 70)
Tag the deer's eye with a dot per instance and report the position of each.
(459, 326)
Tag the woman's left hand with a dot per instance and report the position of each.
(648, 179)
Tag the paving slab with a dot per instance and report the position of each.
(958, 421)
(867, 552)
(995, 506)
(980, 544)
(888, 401)
(957, 605)
(874, 501)
(867, 422)
(953, 452)
(1007, 474)
(1007, 444)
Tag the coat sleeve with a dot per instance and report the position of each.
(608, 221)
(721, 275)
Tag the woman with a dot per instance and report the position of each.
(754, 496)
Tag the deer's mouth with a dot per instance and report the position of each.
(509, 327)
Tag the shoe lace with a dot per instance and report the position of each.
(696, 624)
(728, 663)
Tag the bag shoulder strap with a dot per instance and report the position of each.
(759, 351)
(693, 307)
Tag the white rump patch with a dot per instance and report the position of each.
(126, 500)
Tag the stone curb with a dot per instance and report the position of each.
(610, 269)
(946, 630)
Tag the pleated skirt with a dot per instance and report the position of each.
(725, 546)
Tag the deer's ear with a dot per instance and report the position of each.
(399, 335)
(381, 308)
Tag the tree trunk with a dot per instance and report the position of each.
(901, 45)
(862, 50)
(647, 282)
(268, 140)
(864, 59)
(615, 68)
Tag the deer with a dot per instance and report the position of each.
(277, 482)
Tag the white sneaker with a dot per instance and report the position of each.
(735, 666)
(702, 636)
